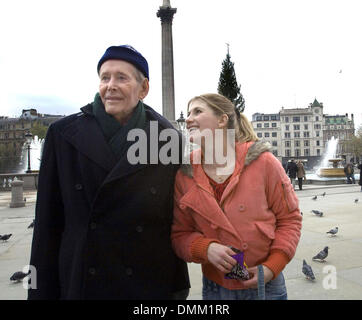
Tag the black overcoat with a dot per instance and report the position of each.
(102, 226)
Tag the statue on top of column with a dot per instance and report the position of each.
(166, 3)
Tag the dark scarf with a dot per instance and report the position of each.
(114, 132)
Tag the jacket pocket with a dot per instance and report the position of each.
(289, 196)
(266, 229)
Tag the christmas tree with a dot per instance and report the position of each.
(228, 85)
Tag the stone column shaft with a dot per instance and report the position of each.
(168, 86)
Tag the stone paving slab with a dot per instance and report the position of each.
(345, 249)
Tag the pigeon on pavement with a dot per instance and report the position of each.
(318, 213)
(355, 200)
(323, 194)
(307, 271)
(321, 255)
(5, 237)
(314, 198)
(18, 276)
(31, 225)
(333, 232)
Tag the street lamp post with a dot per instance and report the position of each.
(181, 122)
(29, 138)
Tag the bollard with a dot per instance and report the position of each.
(17, 197)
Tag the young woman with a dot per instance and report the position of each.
(246, 204)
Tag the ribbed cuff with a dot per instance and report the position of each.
(276, 261)
(199, 248)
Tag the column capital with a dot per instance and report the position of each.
(166, 14)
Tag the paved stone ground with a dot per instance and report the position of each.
(345, 253)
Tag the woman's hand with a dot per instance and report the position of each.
(221, 257)
(253, 281)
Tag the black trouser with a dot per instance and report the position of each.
(300, 183)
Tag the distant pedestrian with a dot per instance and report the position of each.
(349, 171)
(360, 174)
(300, 174)
(292, 172)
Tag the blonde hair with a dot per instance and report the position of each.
(244, 131)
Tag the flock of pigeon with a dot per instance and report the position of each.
(19, 275)
(306, 269)
(322, 255)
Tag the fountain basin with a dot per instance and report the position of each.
(334, 171)
(331, 172)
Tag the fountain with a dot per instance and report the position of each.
(36, 148)
(329, 171)
(330, 156)
(30, 178)
(333, 171)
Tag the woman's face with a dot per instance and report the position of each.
(201, 121)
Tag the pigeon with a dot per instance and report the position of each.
(18, 276)
(307, 270)
(333, 232)
(5, 237)
(321, 255)
(318, 213)
(355, 200)
(31, 225)
(301, 213)
(314, 198)
(323, 194)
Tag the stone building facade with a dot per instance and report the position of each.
(12, 135)
(301, 133)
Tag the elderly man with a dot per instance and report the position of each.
(102, 224)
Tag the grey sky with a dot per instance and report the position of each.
(286, 52)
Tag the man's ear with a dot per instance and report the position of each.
(145, 88)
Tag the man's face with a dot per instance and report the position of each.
(119, 89)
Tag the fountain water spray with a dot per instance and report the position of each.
(330, 152)
(36, 148)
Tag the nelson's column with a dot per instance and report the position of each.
(165, 13)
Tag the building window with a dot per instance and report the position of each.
(317, 126)
(318, 143)
(266, 125)
(287, 128)
(287, 152)
(260, 135)
(306, 152)
(258, 125)
(274, 134)
(297, 152)
(266, 118)
(316, 118)
(305, 118)
(297, 143)
(259, 118)
(305, 127)
(266, 134)
(296, 127)
(318, 152)
(287, 134)
(287, 144)
(306, 134)
(296, 134)
(274, 143)
(286, 119)
(306, 143)
(275, 152)
(274, 125)
(317, 133)
(273, 117)
(296, 119)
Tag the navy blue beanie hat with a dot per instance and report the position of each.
(126, 53)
